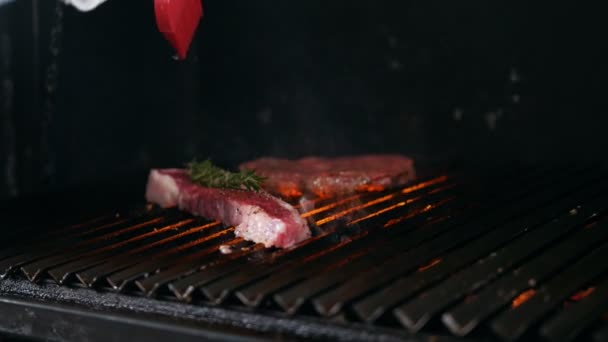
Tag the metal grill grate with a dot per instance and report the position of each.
(516, 254)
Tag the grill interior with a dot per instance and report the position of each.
(511, 253)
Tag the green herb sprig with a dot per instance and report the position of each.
(206, 174)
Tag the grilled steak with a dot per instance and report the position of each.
(326, 177)
(257, 216)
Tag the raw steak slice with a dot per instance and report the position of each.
(326, 177)
(257, 216)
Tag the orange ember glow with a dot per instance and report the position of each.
(522, 298)
(423, 185)
(370, 188)
(118, 232)
(353, 209)
(379, 212)
(329, 206)
(206, 251)
(322, 194)
(429, 265)
(201, 240)
(405, 217)
(580, 295)
(174, 237)
(343, 213)
(417, 212)
(144, 235)
(102, 227)
(289, 191)
(82, 224)
(382, 199)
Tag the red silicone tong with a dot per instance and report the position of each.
(177, 21)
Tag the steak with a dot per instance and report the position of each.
(257, 216)
(327, 177)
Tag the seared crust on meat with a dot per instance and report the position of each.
(332, 176)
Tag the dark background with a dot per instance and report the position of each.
(92, 96)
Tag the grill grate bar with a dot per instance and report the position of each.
(359, 245)
(99, 224)
(152, 283)
(92, 274)
(59, 232)
(55, 249)
(417, 313)
(87, 247)
(350, 246)
(21, 254)
(228, 284)
(130, 262)
(8, 248)
(514, 253)
(122, 248)
(77, 233)
(468, 315)
(193, 263)
(279, 258)
(323, 206)
(569, 324)
(331, 302)
(122, 278)
(390, 198)
(292, 298)
(432, 301)
(513, 323)
(184, 287)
